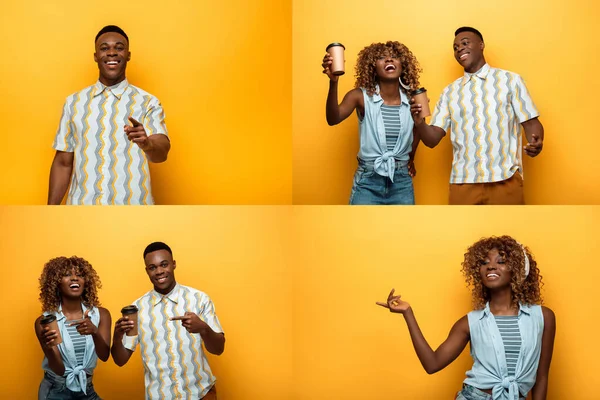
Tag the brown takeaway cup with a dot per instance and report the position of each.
(131, 312)
(50, 321)
(420, 96)
(337, 52)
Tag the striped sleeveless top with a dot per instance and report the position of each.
(508, 325)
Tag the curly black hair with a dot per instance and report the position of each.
(366, 76)
(57, 268)
(525, 290)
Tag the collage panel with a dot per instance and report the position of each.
(198, 72)
(254, 124)
(346, 346)
(522, 38)
(234, 258)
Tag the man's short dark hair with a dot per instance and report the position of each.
(468, 29)
(111, 28)
(152, 247)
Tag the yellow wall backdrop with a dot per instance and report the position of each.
(234, 254)
(220, 69)
(347, 347)
(552, 45)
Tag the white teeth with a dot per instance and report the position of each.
(390, 68)
(112, 62)
(74, 285)
(492, 275)
(464, 56)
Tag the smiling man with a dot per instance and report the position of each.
(173, 323)
(484, 110)
(107, 134)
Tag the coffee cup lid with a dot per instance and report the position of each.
(335, 44)
(418, 91)
(129, 309)
(46, 319)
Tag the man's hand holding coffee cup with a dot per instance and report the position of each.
(123, 325)
(416, 110)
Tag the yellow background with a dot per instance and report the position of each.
(295, 290)
(347, 347)
(220, 69)
(552, 44)
(236, 255)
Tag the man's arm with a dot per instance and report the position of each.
(534, 132)
(60, 175)
(158, 149)
(430, 135)
(155, 146)
(213, 341)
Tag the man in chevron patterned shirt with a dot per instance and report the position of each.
(484, 110)
(174, 322)
(107, 134)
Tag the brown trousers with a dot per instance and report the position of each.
(212, 394)
(506, 192)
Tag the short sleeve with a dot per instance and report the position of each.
(154, 121)
(130, 342)
(207, 313)
(521, 101)
(64, 139)
(441, 113)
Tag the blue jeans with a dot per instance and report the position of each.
(53, 388)
(469, 392)
(372, 188)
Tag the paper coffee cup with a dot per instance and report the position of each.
(337, 52)
(131, 312)
(420, 96)
(50, 321)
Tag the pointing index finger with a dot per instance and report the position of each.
(134, 122)
(179, 318)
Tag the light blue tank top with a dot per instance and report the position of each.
(373, 144)
(75, 373)
(490, 370)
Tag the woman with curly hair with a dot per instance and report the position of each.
(69, 292)
(511, 334)
(385, 75)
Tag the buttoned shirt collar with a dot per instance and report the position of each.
(482, 73)
(173, 295)
(116, 90)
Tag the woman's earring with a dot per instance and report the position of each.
(404, 85)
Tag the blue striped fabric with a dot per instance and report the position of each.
(78, 342)
(508, 325)
(391, 122)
